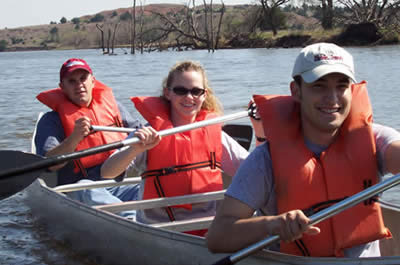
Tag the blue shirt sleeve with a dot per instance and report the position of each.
(49, 133)
(127, 118)
(253, 183)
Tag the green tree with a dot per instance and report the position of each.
(273, 16)
(63, 20)
(97, 18)
(76, 20)
(3, 45)
(125, 16)
(54, 34)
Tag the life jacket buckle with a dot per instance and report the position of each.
(167, 171)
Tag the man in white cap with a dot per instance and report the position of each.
(78, 102)
(321, 146)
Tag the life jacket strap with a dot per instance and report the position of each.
(81, 168)
(302, 247)
(212, 163)
(368, 183)
(161, 194)
(320, 206)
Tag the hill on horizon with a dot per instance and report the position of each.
(81, 32)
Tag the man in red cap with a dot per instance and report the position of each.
(78, 102)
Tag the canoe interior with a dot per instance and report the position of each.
(391, 247)
(110, 239)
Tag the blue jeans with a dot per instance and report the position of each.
(101, 196)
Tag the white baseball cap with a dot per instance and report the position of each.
(320, 59)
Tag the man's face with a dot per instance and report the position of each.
(78, 87)
(325, 104)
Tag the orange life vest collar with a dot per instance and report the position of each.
(192, 157)
(103, 110)
(343, 169)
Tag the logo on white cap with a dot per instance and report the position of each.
(320, 57)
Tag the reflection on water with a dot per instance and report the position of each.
(234, 74)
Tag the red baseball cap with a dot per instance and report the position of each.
(73, 64)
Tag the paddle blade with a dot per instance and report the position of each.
(243, 134)
(14, 159)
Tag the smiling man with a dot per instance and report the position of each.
(321, 146)
(78, 102)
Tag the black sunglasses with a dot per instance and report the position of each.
(182, 91)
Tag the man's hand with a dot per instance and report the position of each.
(291, 226)
(256, 122)
(81, 129)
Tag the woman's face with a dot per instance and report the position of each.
(185, 105)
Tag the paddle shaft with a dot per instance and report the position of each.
(316, 218)
(176, 129)
(51, 161)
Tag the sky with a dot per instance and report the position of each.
(19, 13)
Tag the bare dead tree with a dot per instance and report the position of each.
(212, 26)
(113, 37)
(141, 26)
(175, 25)
(219, 25)
(100, 28)
(133, 30)
(380, 12)
(192, 24)
(108, 40)
(206, 25)
(327, 14)
(185, 28)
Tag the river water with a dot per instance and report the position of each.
(234, 74)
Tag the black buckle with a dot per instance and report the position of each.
(253, 111)
(167, 171)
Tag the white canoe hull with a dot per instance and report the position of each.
(110, 239)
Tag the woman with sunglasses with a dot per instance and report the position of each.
(184, 163)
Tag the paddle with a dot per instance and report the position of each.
(19, 169)
(316, 218)
(243, 134)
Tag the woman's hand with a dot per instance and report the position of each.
(148, 138)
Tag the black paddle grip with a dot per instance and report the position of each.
(224, 261)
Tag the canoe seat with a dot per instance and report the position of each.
(186, 225)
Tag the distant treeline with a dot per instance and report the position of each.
(213, 26)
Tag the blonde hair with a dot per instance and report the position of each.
(211, 103)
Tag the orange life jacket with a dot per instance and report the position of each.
(183, 163)
(346, 167)
(103, 110)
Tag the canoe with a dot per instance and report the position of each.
(107, 238)
(98, 233)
